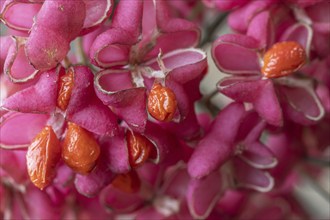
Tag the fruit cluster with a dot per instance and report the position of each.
(98, 108)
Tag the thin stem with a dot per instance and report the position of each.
(210, 30)
(318, 161)
(22, 205)
(207, 98)
(80, 51)
(196, 11)
(8, 203)
(82, 57)
(66, 62)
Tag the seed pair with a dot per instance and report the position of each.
(80, 152)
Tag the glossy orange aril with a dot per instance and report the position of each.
(127, 182)
(65, 90)
(162, 103)
(42, 156)
(283, 58)
(80, 150)
(139, 148)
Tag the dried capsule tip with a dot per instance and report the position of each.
(80, 150)
(283, 58)
(139, 148)
(162, 103)
(128, 182)
(65, 90)
(42, 156)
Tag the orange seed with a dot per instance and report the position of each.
(127, 182)
(65, 91)
(162, 103)
(139, 148)
(80, 149)
(283, 58)
(42, 157)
